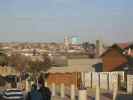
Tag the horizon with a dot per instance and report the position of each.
(52, 20)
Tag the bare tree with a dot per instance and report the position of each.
(3, 58)
(37, 66)
(18, 61)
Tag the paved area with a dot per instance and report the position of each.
(91, 95)
(58, 98)
(105, 95)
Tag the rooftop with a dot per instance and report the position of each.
(76, 65)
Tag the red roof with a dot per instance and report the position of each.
(123, 45)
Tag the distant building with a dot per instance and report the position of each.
(66, 42)
(75, 40)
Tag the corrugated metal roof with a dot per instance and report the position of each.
(76, 65)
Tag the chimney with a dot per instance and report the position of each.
(99, 47)
(129, 51)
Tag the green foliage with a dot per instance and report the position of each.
(85, 45)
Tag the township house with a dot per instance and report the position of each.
(73, 73)
(118, 57)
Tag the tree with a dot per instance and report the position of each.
(3, 58)
(18, 61)
(38, 66)
(46, 62)
(85, 45)
(89, 49)
(34, 66)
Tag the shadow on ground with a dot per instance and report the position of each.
(119, 97)
(108, 95)
(124, 97)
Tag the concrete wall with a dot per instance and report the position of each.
(106, 80)
(113, 79)
(95, 79)
(130, 84)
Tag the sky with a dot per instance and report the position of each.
(52, 20)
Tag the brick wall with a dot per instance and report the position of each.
(66, 78)
(112, 60)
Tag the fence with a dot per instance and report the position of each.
(130, 84)
(105, 80)
(102, 80)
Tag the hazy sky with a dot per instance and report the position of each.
(51, 20)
